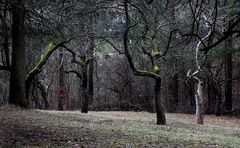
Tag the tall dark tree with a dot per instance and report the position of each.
(83, 76)
(18, 68)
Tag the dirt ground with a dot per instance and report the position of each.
(40, 128)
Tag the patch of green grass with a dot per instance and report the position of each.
(175, 135)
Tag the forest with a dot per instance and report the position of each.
(119, 73)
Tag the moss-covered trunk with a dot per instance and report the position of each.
(161, 119)
(18, 73)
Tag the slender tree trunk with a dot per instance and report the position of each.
(173, 93)
(199, 109)
(91, 54)
(173, 83)
(35, 94)
(210, 96)
(61, 83)
(90, 82)
(17, 85)
(85, 101)
(78, 103)
(228, 76)
(5, 37)
(199, 102)
(91, 71)
(161, 119)
(44, 95)
(228, 65)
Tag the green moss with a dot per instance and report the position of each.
(142, 43)
(156, 54)
(147, 73)
(41, 63)
(50, 45)
(156, 69)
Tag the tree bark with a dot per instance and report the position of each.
(199, 102)
(18, 73)
(161, 120)
(199, 109)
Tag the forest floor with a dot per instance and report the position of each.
(40, 128)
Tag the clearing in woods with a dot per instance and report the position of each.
(40, 128)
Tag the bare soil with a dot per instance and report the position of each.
(40, 128)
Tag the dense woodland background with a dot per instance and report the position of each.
(121, 55)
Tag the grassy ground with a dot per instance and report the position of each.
(37, 128)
